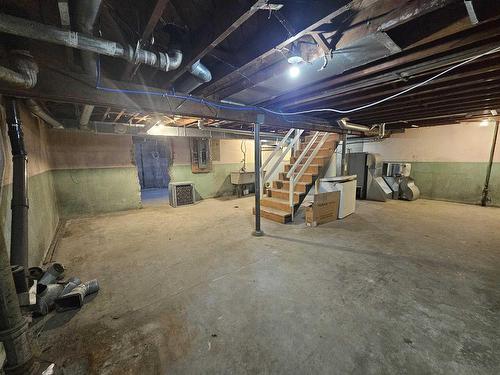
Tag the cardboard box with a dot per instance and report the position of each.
(323, 209)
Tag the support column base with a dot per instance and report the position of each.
(257, 233)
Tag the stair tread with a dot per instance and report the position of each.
(271, 199)
(284, 191)
(311, 165)
(275, 211)
(298, 183)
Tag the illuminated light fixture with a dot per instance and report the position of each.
(294, 59)
(294, 71)
(294, 56)
(414, 126)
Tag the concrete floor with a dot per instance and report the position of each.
(154, 196)
(397, 288)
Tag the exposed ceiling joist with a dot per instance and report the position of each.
(456, 48)
(272, 51)
(158, 9)
(369, 17)
(215, 31)
(72, 88)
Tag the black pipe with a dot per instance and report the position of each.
(485, 198)
(258, 232)
(19, 203)
(13, 326)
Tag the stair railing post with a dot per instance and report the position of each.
(278, 150)
(260, 120)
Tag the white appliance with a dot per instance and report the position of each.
(347, 187)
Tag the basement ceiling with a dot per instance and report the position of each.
(356, 52)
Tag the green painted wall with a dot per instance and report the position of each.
(455, 181)
(214, 184)
(43, 215)
(96, 190)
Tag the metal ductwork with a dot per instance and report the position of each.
(38, 111)
(235, 131)
(25, 70)
(346, 125)
(199, 75)
(45, 33)
(85, 116)
(376, 130)
(86, 15)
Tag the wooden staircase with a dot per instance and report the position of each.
(276, 206)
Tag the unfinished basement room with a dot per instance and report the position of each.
(249, 187)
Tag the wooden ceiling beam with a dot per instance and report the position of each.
(453, 48)
(429, 106)
(368, 18)
(442, 111)
(438, 87)
(66, 87)
(211, 34)
(157, 12)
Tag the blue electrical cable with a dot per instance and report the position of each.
(167, 94)
(280, 113)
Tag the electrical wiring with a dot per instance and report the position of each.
(236, 107)
(389, 97)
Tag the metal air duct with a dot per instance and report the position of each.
(38, 111)
(199, 75)
(25, 73)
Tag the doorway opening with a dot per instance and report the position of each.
(152, 160)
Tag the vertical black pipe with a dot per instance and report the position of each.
(344, 156)
(485, 199)
(13, 326)
(260, 119)
(19, 203)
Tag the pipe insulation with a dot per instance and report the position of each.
(25, 70)
(38, 111)
(45, 33)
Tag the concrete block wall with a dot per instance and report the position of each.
(448, 162)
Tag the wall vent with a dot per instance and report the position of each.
(181, 193)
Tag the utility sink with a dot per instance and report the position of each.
(242, 178)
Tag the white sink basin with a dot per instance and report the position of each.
(241, 178)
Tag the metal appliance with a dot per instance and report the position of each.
(370, 183)
(397, 176)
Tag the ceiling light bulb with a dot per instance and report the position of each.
(294, 71)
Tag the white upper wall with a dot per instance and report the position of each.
(466, 142)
